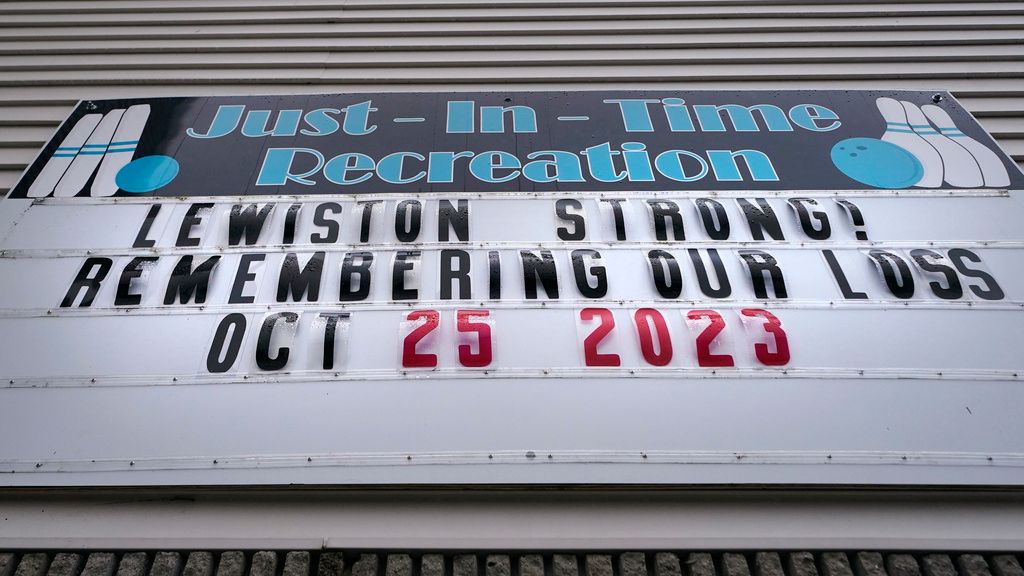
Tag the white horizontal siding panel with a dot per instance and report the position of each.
(500, 13)
(1004, 128)
(8, 178)
(751, 38)
(666, 25)
(16, 158)
(933, 72)
(32, 115)
(25, 136)
(912, 55)
(127, 6)
(983, 107)
(70, 94)
(1014, 147)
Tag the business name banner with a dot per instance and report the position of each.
(557, 288)
(572, 141)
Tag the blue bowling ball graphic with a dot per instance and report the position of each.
(147, 174)
(877, 163)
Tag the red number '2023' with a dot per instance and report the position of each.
(656, 340)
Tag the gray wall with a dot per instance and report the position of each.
(54, 53)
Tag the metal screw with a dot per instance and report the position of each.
(937, 98)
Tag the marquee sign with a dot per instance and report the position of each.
(566, 287)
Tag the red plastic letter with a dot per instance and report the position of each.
(644, 317)
(774, 327)
(591, 342)
(707, 336)
(410, 357)
(483, 330)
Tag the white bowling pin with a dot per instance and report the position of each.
(121, 149)
(89, 157)
(958, 166)
(899, 132)
(63, 156)
(992, 168)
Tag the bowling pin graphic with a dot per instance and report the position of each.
(89, 157)
(992, 168)
(121, 149)
(958, 166)
(899, 132)
(63, 156)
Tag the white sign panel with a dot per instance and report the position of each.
(596, 332)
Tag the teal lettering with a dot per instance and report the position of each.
(562, 167)
(670, 164)
(441, 166)
(389, 169)
(807, 115)
(742, 117)
(483, 166)
(337, 169)
(723, 162)
(321, 122)
(492, 119)
(277, 166)
(460, 117)
(635, 117)
(677, 114)
(638, 163)
(357, 119)
(601, 162)
(224, 122)
(256, 123)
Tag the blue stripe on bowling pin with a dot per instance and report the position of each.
(89, 157)
(992, 168)
(120, 150)
(899, 132)
(959, 168)
(63, 157)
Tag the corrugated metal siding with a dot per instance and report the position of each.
(478, 563)
(54, 53)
